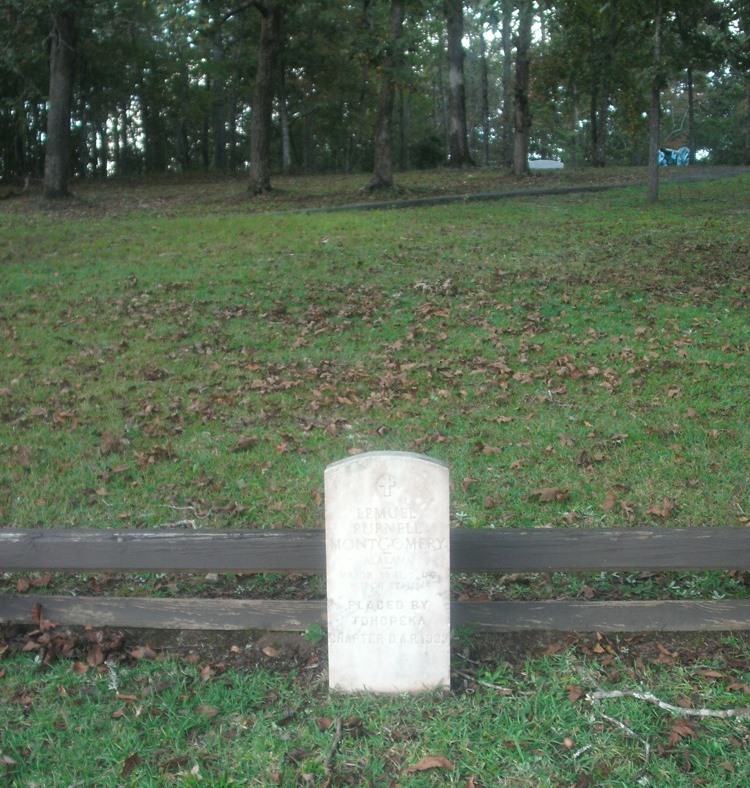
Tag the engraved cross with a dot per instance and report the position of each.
(385, 485)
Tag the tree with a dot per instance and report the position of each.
(459, 155)
(596, 45)
(506, 153)
(24, 82)
(522, 125)
(382, 170)
(739, 58)
(61, 63)
(655, 112)
(265, 81)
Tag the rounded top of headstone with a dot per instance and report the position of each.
(382, 455)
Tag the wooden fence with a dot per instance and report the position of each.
(300, 551)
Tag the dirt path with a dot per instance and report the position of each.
(685, 175)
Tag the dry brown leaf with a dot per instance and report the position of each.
(143, 652)
(130, 763)
(662, 510)
(209, 712)
(711, 674)
(430, 762)
(681, 729)
(245, 443)
(610, 499)
(270, 651)
(547, 494)
(574, 692)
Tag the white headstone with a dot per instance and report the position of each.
(388, 573)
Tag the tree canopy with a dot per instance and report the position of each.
(125, 87)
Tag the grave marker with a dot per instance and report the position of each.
(388, 573)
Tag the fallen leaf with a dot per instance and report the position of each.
(574, 692)
(130, 763)
(270, 651)
(681, 729)
(429, 762)
(355, 727)
(610, 499)
(43, 581)
(324, 723)
(209, 712)
(143, 652)
(206, 672)
(547, 494)
(711, 674)
(662, 510)
(245, 443)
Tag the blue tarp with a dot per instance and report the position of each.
(670, 158)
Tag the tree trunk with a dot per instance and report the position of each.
(445, 120)
(485, 99)
(747, 120)
(602, 115)
(522, 110)
(691, 114)
(606, 79)
(286, 135)
(654, 117)
(506, 150)
(218, 105)
(594, 123)
(102, 149)
(260, 121)
(382, 171)
(355, 138)
(459, 155)
(403, 136)
(57, 156)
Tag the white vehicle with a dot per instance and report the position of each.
(545, 164)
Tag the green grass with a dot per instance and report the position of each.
(583, 342)
(171, 721)
(170, 355)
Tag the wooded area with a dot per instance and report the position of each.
(490, 551)
(126, 87)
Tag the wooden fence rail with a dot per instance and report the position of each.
(299, 551)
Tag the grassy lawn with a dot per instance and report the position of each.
(536, 722)
(173, 358)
